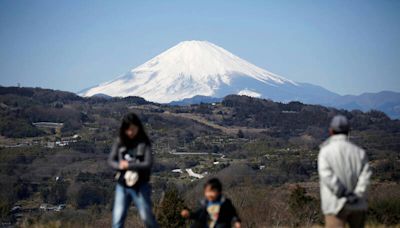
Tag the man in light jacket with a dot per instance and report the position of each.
(344, 177)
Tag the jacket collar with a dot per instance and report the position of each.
(204, 201)
(338, 137)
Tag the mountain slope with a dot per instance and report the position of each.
(201, 68)
(386, 101)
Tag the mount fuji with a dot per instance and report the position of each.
(200, 68)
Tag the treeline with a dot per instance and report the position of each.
(294, 117)
(20, 107)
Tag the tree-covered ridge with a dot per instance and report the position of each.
(54, 145)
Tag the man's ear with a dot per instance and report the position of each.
(331, 132)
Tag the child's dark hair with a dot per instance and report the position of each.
(214, 184)
(141, 137)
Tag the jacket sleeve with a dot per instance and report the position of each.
(113, 156)
(146, 163)
(235, 216)
(328, 177)
(363, 180)
(197, 214)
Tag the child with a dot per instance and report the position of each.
(216, 211)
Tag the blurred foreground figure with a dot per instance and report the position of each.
(131, 157)
(216, 210)
(344, 177)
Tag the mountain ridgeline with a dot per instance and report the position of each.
(298, 117)
(20, 107)
(202, 68)
(197, 71)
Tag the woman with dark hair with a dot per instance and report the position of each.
(131, 157)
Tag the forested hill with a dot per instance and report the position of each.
(298, 117)
(54, 146)
(20, 107)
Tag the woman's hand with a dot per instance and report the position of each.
(237, 225)
(185, 213)
(123, 165)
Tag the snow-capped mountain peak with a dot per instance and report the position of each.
(193, 68)
(204, 61)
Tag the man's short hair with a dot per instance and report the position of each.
(340, 125)
(214, 184)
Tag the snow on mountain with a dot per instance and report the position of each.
(193, 68)
(249, 93)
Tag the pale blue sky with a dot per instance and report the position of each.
(348, 47)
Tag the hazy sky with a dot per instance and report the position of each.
(348, 47)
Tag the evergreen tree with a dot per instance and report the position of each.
(240, 134)
(168, 213)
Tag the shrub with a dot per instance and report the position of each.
(169, 210)
(90, 195)
(5, 207)
(385, 211)
(56, 193)
(18, 128)
(303, 207)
